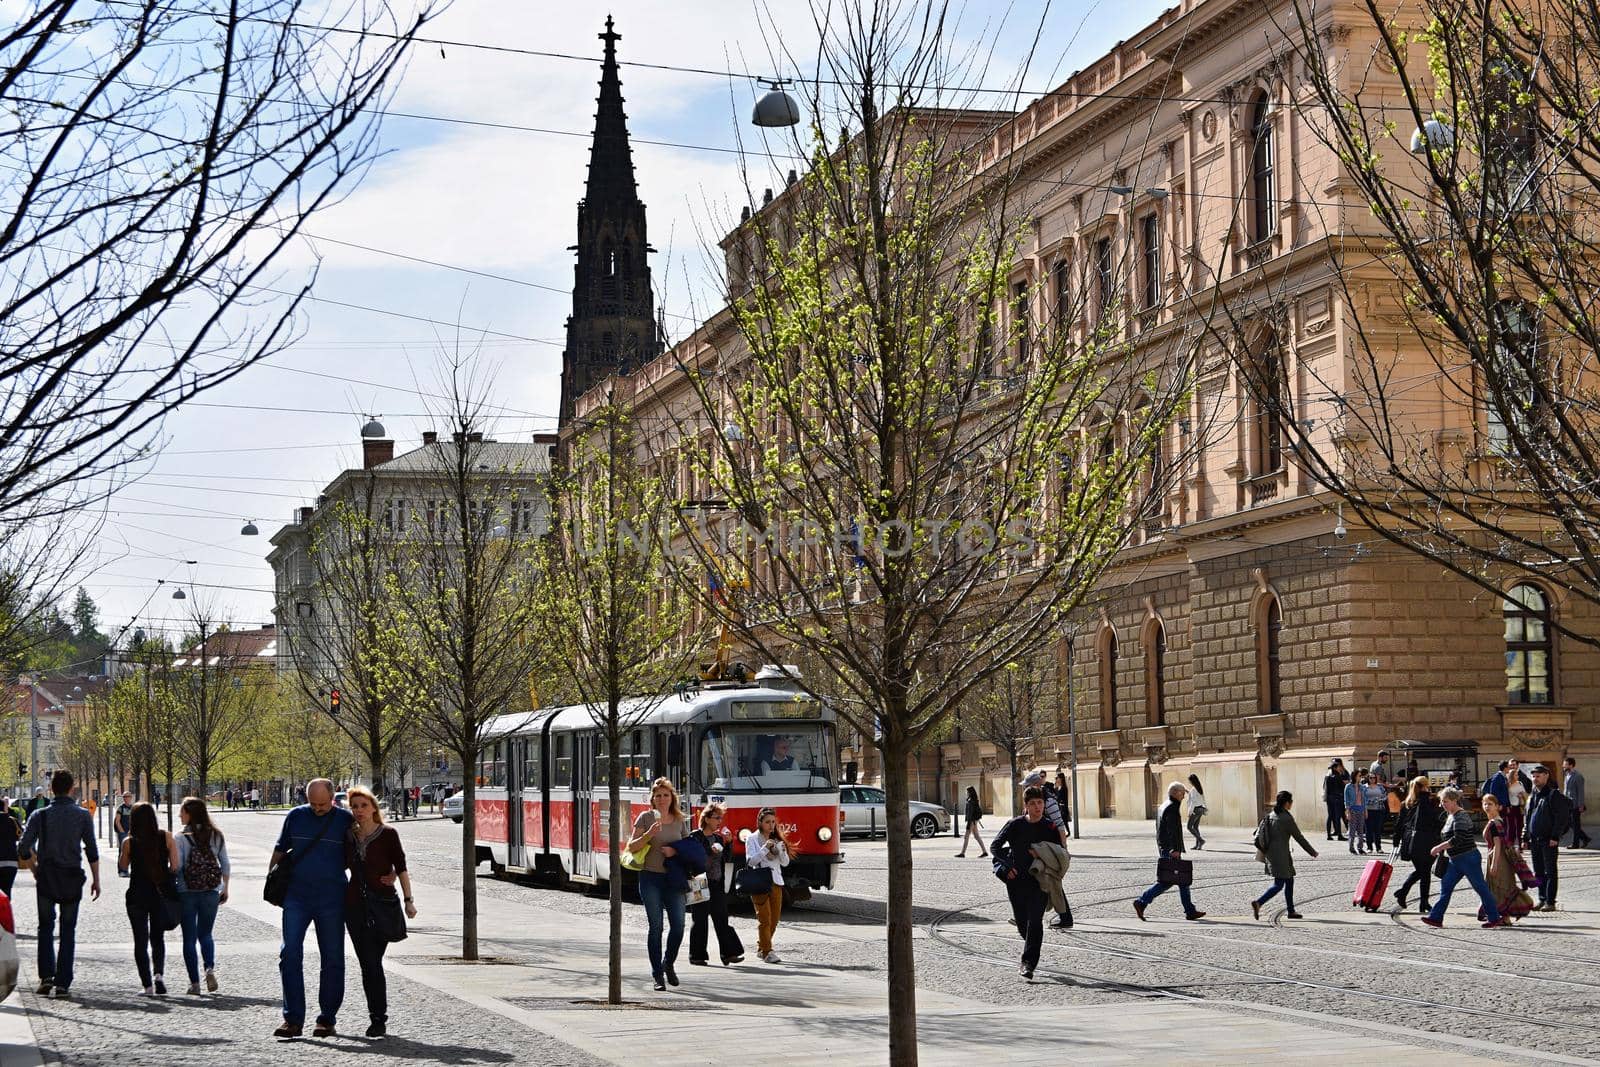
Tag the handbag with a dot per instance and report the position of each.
(1172, 871)
(171, 904)
(275, 890)
(634, 861)
(1441, 864)
(385, 916)
(752, 881)
(699, 889)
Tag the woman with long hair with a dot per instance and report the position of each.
(714, 911)
(1197, 810)
(658, 830)
(1415, 834)
(376, 861)
(1506, 865)
(10, 834)
(765, 847)
(150, 856)
(974, 816)
(1282, 829)
(203, 876)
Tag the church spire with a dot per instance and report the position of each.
(613, 325)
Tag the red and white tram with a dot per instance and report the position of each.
(543, 803)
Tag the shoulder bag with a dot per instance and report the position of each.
(1171, 871)
(275, 890)
(171, 902)
(634, 861)
(386, 917)
(53, 880)
(752, 881)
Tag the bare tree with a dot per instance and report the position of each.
(1460, 420)
(217, 687)
(463, 595)
(1015, 707)
(162, 159)
(609, 621)
(923, 474)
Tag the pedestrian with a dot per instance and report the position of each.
(1355, 812)
(766, 849)
(1062, 796)
(1549, 816)
(974, 817)
(1505, 866)
(1016, 847)
(1282, 829)
(57, 833)
(714, 910)
(150, 856)
(1377, 812)
(227, 800)
(1416, 831)
(203, 876)
(39, 801)
(1459, 844)
(10, 834)
(1169, 845)
(1518, 787)
(655, 831)
(1572, 786)
(120, 823)
(1379, 771)
(1197, 810)
(416, 801)
(316, 833)
(1053, 812)
(1333, 795)
(376, 860)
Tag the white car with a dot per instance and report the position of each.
(863, 810)
(8, 948)
(454, 807)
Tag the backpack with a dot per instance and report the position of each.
(201, 871)
(1263, 838)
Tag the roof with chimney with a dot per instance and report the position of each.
(234, 649)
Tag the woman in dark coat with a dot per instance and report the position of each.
(1415, 834)
(714, 912)
(974, 816)
(1281, 829)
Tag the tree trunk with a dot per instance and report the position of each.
(469, 863)
(902, 956)
(169, 790)
(615, 833)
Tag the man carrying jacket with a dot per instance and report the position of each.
(1013, 850)
(1549, 816)
(1054, 815)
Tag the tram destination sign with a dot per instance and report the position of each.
(775, 709)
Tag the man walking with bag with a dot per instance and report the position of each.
(53, 838)
(312, 844)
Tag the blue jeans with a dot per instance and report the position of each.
(1160, 887)
(325, 908)
(199, 916)
(53, 968)
(1468, 865)
(1285, 884)
(660, 897)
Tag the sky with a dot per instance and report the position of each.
(471, 195)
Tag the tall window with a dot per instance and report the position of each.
(1263, 163)
(1509, 380)
(1108, 679)
(1510, 136)
(1150, 256)
(1021, 321)
(1061, 274)
(1269, 397)
(1104, 278)
(1268, 662)
(1528, 646)
(1155, 669)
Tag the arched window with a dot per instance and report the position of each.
(1510, 392)
(1269, 627)
(1529, 646)
(1269, 398)
(1108, 679)
(1155, 671)
(1263, 163)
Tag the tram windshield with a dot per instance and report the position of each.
(768, 757)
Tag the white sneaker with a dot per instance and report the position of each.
(211, 980)
(772, 957)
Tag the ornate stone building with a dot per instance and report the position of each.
(1247, 635)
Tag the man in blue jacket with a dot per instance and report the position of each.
(316, 833)
(58, 831)
(1499, 786)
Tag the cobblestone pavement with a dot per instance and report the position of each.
(1533, 990)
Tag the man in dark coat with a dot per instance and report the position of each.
(1169, 845)
(1549, 817)
(1333, 784)
(1012, 849)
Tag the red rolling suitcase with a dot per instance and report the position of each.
(1373, 884)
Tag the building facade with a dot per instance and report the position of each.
(1246, 634)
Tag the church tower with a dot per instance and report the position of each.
(613, 326)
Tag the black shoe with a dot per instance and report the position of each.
(161, 988)
(733, 959)
(1255, 906)
(661, 984)
(62, 993)
(377, 1030)
(1341, 837)
(1138, 909)
(1026, 971)
(45, 985)
(672, 976)
(699, 963)
(1294, 915)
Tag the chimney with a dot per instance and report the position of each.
(475, 438)
(430, 437)
(374, 453)
(458, 437)
(305, 515)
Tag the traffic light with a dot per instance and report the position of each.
(22, 770)
(333, 702)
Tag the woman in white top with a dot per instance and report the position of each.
(765, 847)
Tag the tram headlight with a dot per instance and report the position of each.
(744, 835)
(824, 833)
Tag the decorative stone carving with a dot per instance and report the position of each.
(1524, 742)
(1208, 126)
(1271, 747)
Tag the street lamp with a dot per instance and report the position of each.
(373, 428)
(776, 108)
(249, 529)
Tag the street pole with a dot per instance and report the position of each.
(1072, 735)
(33, 734)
